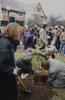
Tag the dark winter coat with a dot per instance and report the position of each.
(25, 64)
(7, 62)
(30, 43)
(8, 85)
(57, 43)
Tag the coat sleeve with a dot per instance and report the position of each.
(12, 60)
(7, 61)
(51, 77)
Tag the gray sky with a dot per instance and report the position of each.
(54, 7)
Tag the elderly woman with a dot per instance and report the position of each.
(8, 43)
(56, 71)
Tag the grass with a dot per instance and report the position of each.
(60, 93)
(18, 54)
(61, 57)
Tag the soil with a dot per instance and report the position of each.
(40, 90)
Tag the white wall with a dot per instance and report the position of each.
(0, 11)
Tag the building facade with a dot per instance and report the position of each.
(36, 10)
(0, 11)
(12, 11)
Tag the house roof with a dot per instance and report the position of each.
(31, 8)
(39, 5)
(13, 4)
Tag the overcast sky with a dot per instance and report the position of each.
(54, 7)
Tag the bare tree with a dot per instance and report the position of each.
(53, 20)
(36, 20)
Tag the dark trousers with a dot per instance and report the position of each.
(8, 87)
(57, 43)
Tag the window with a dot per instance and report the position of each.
(21, 14)
(4, 23)
(4, 11)
(12, 19)
(38, 9)
(20, 22)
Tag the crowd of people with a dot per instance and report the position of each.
(44, 36)
(50, 39)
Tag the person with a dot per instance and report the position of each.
(26, 33)
(62, 39)
(56, 72)
(50, 36)
(24, 62)
(43, 36)
(22, 35)
(8, 45)
(58, 34)
(51, 50)
(22, 38)
(35, 29)
(31, 41)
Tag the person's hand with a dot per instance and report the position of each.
(15, 71)
(39, 70)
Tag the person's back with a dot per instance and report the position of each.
(5, 60)
(56, 76)
(24, 62)
(56, 65)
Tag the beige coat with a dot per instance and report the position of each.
(43, 36)
(62, 36)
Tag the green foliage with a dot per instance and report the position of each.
(60, 93)
(38, 52)
(36, 61)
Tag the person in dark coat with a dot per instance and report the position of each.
(25, 63)
(31, 41)
(8, 44)
(50, 34)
